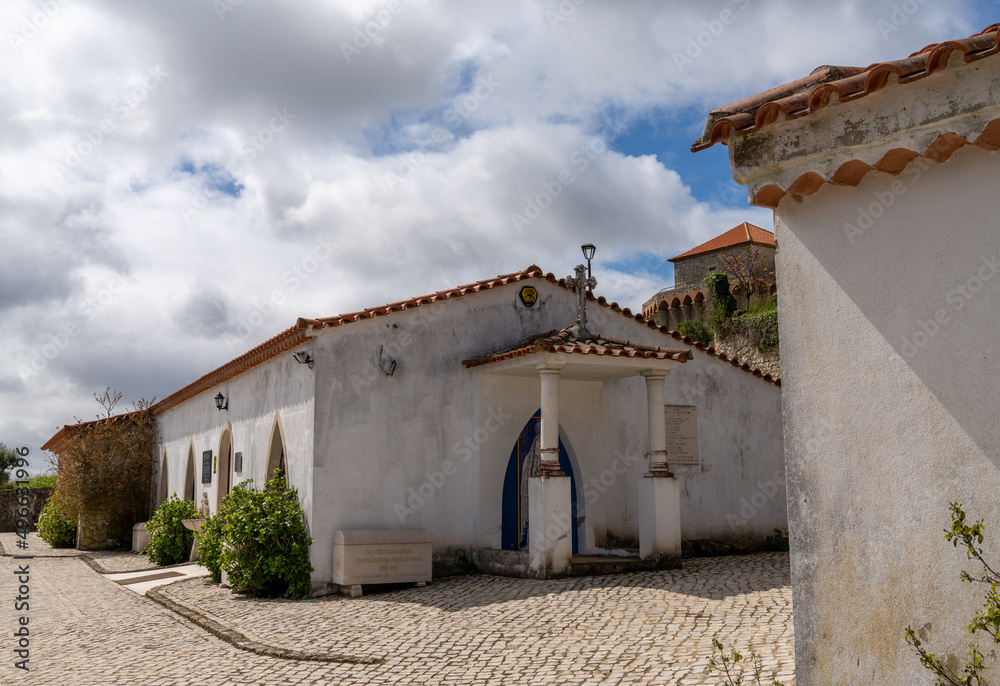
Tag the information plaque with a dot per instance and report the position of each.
(682, 434)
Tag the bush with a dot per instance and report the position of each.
(169, 540)
(721, 297)
(264, 546)
(759, 324)
(696, 330)
(56, 526)
(210, 541)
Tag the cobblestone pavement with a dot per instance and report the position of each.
(647, 628)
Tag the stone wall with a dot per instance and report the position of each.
(690, 272)
(37, 497)
(739, 347)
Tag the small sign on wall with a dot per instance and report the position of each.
(528, 296)
(206, 467)
(682, 434)
(238, 462)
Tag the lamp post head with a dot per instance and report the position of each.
(221, 402)
(588, 251)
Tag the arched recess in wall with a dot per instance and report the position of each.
(189, 477)
(164, 480)
(224, 468)
(524, 458)
(276, 452)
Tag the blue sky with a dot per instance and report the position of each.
(167, 168)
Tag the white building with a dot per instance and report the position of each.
(883, 184)
(437, 413)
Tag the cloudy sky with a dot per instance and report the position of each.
(180, 180)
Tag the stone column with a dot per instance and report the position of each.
(657, 454)
(659, 490)
(549, 465)
(550, 540)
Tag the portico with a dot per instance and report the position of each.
(575, 355)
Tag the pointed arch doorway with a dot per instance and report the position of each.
(276, 465)
(522, 464)
(225, 465)
(189, 477)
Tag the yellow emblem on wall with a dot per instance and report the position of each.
(529, 296)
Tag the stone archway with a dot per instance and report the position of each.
(276, 464)
(164, 480)
(225, 467)
(522, 464)
(189, 476)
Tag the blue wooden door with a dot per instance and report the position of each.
(523, 462)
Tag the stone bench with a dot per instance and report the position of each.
(380, 556)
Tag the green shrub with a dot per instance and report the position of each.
(776, 542)
(169, 540)
(696, 330)
(721, 297)
(210, 541)
(264, 546)
(56, 526)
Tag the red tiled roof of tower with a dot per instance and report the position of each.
(738, 235)
(828, 85)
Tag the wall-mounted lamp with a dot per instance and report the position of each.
(302, 357)
(221, 402)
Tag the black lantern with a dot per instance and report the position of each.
(588, 252)
(221, 402)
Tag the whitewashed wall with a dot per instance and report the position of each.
(890, 410)
(278, 390)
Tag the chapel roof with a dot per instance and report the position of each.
(567, 340)
(304, 328)
(738, 235)
(828, 85)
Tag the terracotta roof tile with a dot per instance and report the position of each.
(828, 84)
(563, 341)
(744, 233)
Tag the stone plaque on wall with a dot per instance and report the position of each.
(238, 463)
(206, 467)
(682, 434)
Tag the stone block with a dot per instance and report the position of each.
(140, 537)
(550, 538)
(660, 520)
(381, 556)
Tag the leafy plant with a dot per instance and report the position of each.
(759, 325)
(56, 525)
(264, 545)
(721, 297)
(696, 330)
(9, 459)
(733, 667)
(105, 466)
(987, 620)
(778, 541)
(169, 540)
(748, 268)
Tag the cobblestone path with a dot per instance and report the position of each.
(648, 628)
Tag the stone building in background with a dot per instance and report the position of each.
(688, 298)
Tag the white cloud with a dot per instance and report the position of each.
(423, 161)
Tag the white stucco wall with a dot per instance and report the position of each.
(381, 439)
(278, 390)
(890, 410)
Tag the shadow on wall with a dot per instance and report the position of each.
(925, 276)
